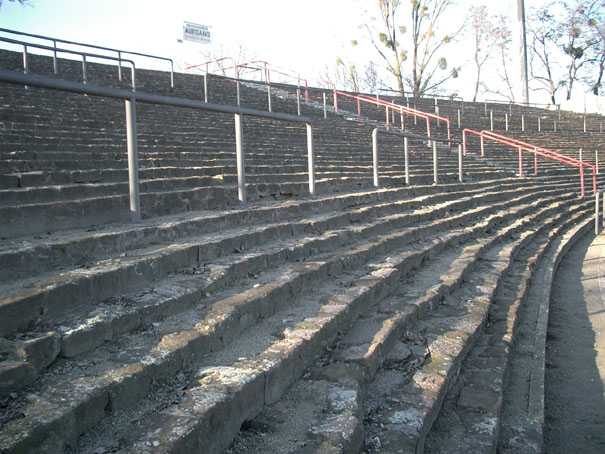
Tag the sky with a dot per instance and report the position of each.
(305, 37)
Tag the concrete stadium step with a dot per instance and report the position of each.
(475, 400)
(228, 391)
(133, 378)
(324, 411)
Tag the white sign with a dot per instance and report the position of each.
(196, 33)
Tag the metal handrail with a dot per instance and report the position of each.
(406, 136)
(536, 151)
(68, 51)
(93, 46)
(130, 99)
(209, 62)
(411, 111)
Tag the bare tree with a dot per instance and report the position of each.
(426, 15)
(593, 13)
(485, 37)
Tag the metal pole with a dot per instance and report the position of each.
(523, 50)
(539, 125)
(298, 101)
(310, 159)
(120, 66)
(325, 108)
(268, 90)
(597, 214)
(386, 111)
(520, 162)
(460, 179)
(84, 78)
(25, 64)
(239, 104)
(506, 121)
(55, 63)
(482, 147)
(133, 163)
(406, 158)
(458, 118)
(134, 79)
(206, 87)
(596, 158)
(584, 123)
(239, 155)
(435, 177)
(491, 120)
(555, 125)
(375, 157)
(523, 123)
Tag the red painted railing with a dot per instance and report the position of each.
(215, 61)
(403, 110)
(536, 151)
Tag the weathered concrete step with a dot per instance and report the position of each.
(334, 424)
(167, 433)
(476, 399)
(74, 248)
(142, 267)
(405, 418)
(162, 365)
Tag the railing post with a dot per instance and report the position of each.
(120, 66)
(435, 176)
(596, 158)
(387, 117)
(406, 159)
(482, 147)
(520, 162)
(375, 157)
(55, 63)
(581, 154)
(268, 90)
(491, 120)
(134, 78)
(239, 102)
(555, 125)
(523, 123)
(582, 179)
(325, 108)
(402, 120)
(464, 142)
(460, 178)
(133, 162)
(539, 125)
(84, 78)
(206, 87)
(584, 123)
(171, 74)
(535, 164)
(358, 107)
(335, 101)
(310, 159)
(458, 118)
(239, 156)
(298, 101)
(597, 217)
(505, 121)
(25, 64)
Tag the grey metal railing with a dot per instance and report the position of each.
(406, 136)
(130, 98)
(84, 55)
(119, 52)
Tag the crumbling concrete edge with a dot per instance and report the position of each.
(536, 405)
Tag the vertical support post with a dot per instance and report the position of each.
(310, 159)
(505, 121)
(386, 111)
(55, 62)
(335, 102)
(535, 163)
(464, 142)
(239, 103)
(206, 87)
(375, 157)
(134, 79)
(415, 118)
(539, 125)
(523, 123)
(268, 91)
(325, 107)
(460, 177)
(84, 78)
(298, 101)
(133, 160)
(393, 116)
(482, 147)
(520, 162)
(597, 214)
(555, 125)
(239, 156)
(25, 63)
(596, 158)
(584, 123)
(406, 159)
(358, 106)
(435, 176)
(402, 120)
(120, 66)
(582, 179)
(171, 74)
(458, 118)
(581, 154)
(491, 120)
